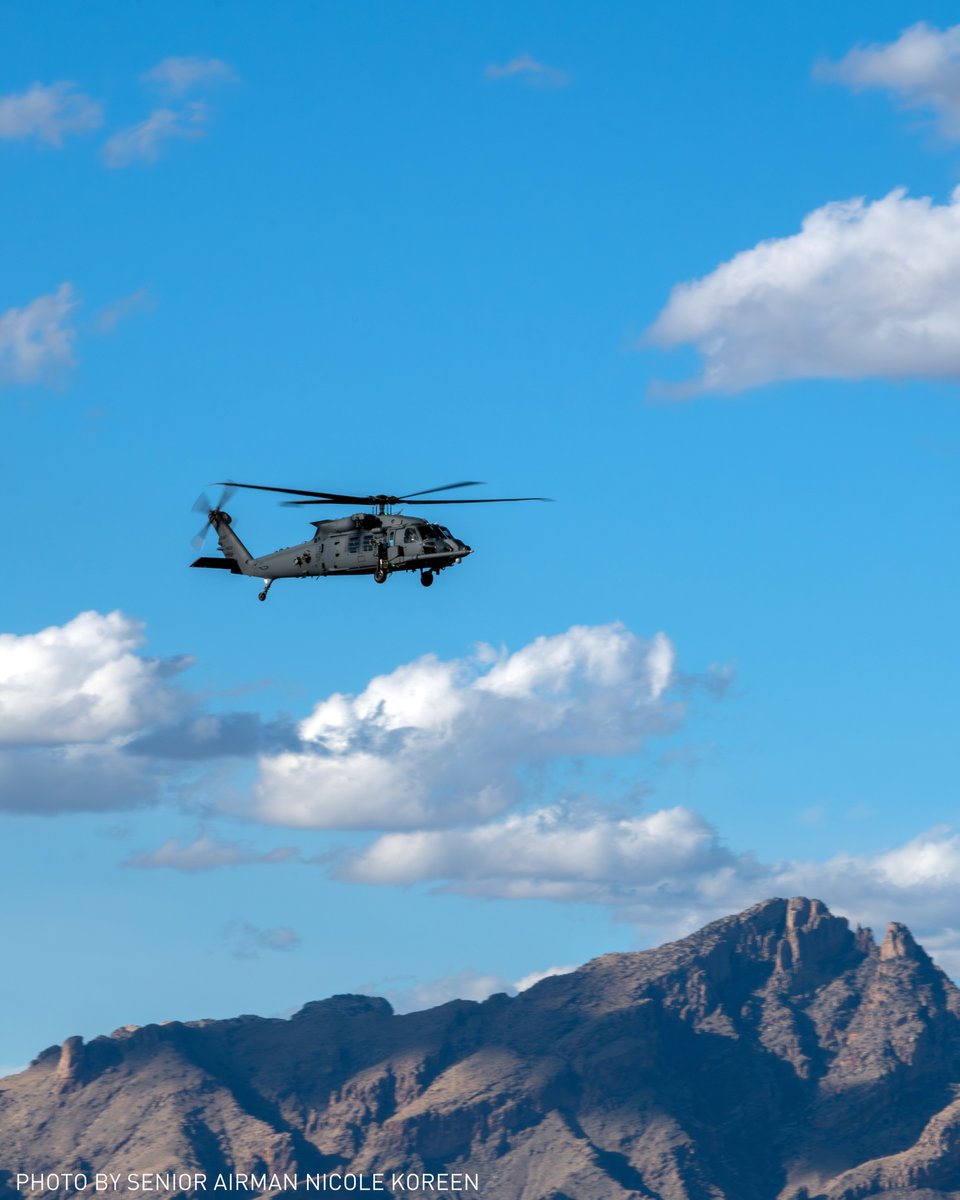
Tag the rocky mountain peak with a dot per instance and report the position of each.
(71, 1064)
(899, 943)
(813, 939)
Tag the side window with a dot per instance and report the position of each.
(353, 545)
(368, 541)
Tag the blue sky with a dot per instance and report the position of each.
(654, 264)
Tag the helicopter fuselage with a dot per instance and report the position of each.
(362, 544)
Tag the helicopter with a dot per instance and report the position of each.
(380, 542)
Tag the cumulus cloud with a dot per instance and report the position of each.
(552, 853)
(526, 68)
(48, 112)
(37, 340)
(70, 697)
(205, 853)
(143, 142)
(178, 76)
(82, 682)
(668, 872)
(88, 722)
(247, 941)
(444, 743)
(864, 290)
(921, 68)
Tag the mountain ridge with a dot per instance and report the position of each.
(775, 1054)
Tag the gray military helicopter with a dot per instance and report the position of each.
(378, 543)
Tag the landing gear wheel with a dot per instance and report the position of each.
(262, 596)
(426, 578)
(380, 574)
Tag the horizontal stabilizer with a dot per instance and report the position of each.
(218, 564)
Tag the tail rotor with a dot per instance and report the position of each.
(202, 504)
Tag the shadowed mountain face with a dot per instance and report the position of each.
(774, 1055)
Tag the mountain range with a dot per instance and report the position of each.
(776, 1054)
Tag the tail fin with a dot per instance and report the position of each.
(234, 551)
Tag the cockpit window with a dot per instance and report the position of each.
(411, 535)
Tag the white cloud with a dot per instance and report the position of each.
(177, 76)
(82, 682)
(668, 872)
(527, 69)
(71, 699)
(552, 853)
(36, 341)
(446, 743)
(205, 853)
(921, 68)
(143, 142)
(864, 290)
(48, 112)
(88, 722)
(411, 995)
(110, 316)
(406, 995)
(535, 976)
(247, 941)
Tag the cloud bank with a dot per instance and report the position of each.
(82, 682)
(447, 764)
(441, 743)
(88, 722)
(921, 68)
(668, 871)
(864, 290)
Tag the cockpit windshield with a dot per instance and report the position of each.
(414, 533)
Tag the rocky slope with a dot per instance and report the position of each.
(774, 1055)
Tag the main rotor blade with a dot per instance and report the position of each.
(367, 501)
(491, 500)
(331, 496)
(447, 487)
